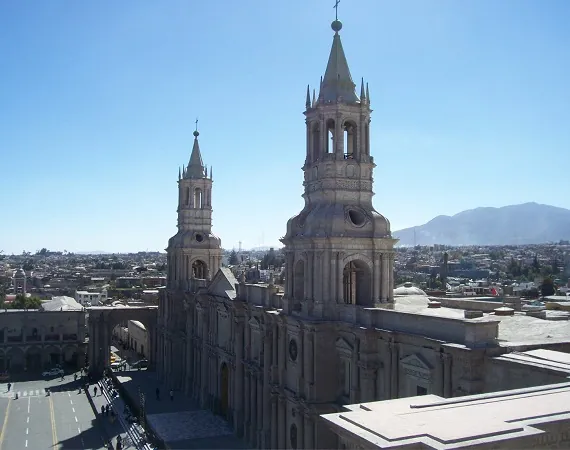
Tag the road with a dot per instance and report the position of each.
(36, 421)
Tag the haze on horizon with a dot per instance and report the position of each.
(99, 100)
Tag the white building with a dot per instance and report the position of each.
(86, 298)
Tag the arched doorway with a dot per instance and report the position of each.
(34, 359)
(199, 270)
(357, 284)
(224, 389)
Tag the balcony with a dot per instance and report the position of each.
(33, 338)
(70, 337)
(15, 338)
(51, 337)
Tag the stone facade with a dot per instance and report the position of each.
(33, 340)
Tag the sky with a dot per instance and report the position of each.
(98, 100)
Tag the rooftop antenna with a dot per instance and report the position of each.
(336, 9)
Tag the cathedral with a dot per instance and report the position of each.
(273, 359)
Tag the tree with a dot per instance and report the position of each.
(272, 258)
(28, 265)
(547, 287)
(23, 302)
(233, 259)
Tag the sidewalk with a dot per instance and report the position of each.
(179, 423)
(112, 430)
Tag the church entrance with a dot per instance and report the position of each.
(224, 390)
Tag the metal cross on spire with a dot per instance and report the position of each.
(336, 9)
(196, 124)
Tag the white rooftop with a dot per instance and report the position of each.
(434, 422)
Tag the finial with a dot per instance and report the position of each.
(179, 173)
(362, 93)
(314, 100)
(211, 172)
(196, 134)
(206, 171)
(308, 100)
(367, 94)
(321, 88)
(337, 24)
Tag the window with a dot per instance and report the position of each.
(420, 390)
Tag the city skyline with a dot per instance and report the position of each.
(470, 105)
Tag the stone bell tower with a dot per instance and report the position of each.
(194, 252)
(339, 248)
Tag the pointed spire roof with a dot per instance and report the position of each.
(195, 166)
(337, 82)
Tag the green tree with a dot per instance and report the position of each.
(547, 287)
(23, 302)
(233, 259)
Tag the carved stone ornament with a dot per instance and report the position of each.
(293, 351)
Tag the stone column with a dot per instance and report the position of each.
(446, 378)
(238, 384)
(282, 353)
(308, 360)
(394, 369)
(377, 285)
(253, 408)
(368, 381)
(246, 422)
(309, 429)
(265, 397)
(289, 274)
(328, 265)
(362, 136)
(385, 277)
(282, 423)
(391, 278)
(336, 279)
(309, 143)
(274, 424)
(261, 410)
(318, 276)
(338, 138)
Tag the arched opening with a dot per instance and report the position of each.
(224, 389)
(198, 198)
(367, 138)
(357, 282)
(299, 280)
(349, 136)
(33, 360)
(15, 360)
(330, 128)
(199, 270)
(187, 196)
(316, 142)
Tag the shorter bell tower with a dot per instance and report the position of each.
(194, 252)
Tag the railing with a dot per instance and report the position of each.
(33, 338)
(15, 338)
(70, 337)
(51, 337)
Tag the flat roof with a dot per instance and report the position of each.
(435, 422)
(517, 329)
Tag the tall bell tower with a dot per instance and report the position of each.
(194, 252)
(339, 249)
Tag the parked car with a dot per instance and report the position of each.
(55, 372)
(141, 364)
(118, 364)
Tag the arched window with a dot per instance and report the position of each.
(198, 198)
(187, 196)
(350, 136)
(199, 270)
(330, 136)
(316, 142)
(367, 137)
(357, 284)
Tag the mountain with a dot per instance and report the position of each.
(529, 223)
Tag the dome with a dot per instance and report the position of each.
(408, 289)
(19, 273)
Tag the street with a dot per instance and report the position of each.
(62, 420)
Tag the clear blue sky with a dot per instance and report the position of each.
(471, 104)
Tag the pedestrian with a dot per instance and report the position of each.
(107, 409)
(119, 445)
(171, 395)
(75, 377)
(9, 386)
(62, 377)
(157, 393)
(102, 410)
(95, 391)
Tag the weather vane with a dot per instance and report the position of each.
(336, 9)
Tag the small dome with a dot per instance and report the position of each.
(336, 26)
(196, 133)
(408, 289)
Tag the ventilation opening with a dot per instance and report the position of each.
(199, 237)
(356, 217)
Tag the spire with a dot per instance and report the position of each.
(362, 94)
(308, 100)
(179, 173)
(211, 172)
(195, 166)
(367, 94)
(314, 99)
(337, 82)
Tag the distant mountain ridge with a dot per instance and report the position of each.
(528, 223)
